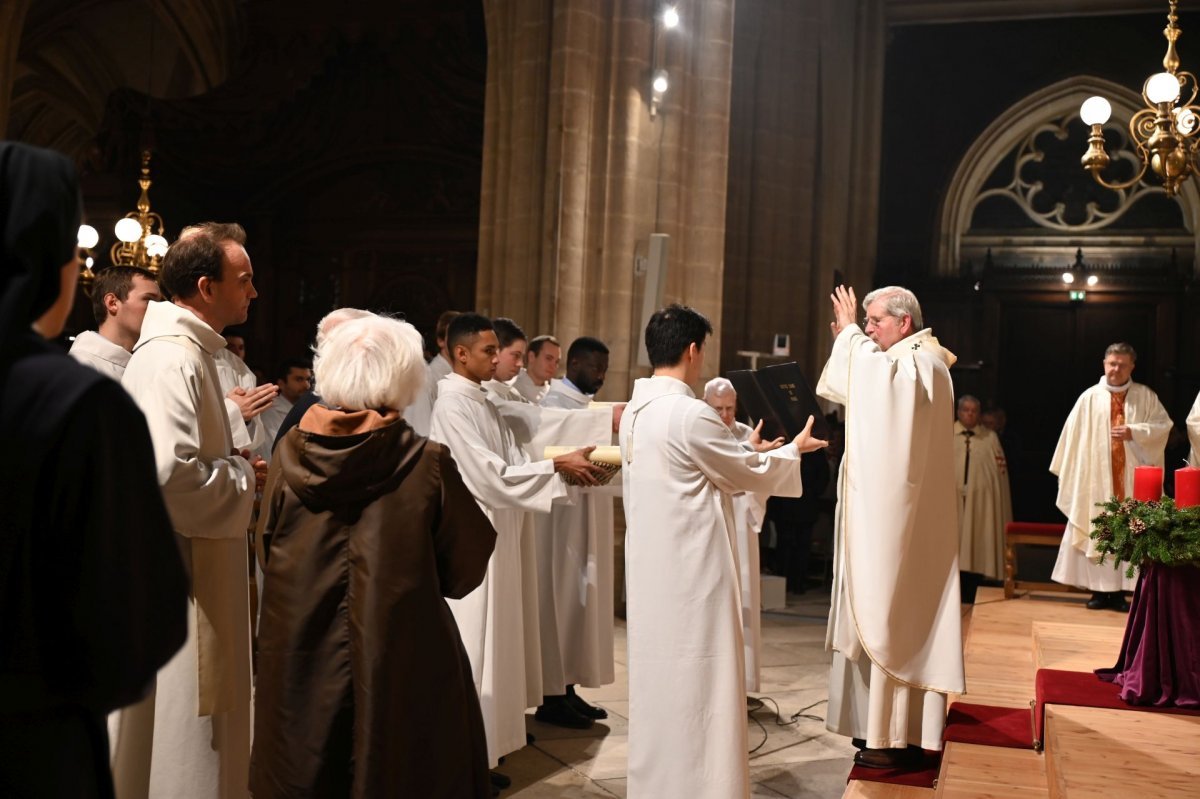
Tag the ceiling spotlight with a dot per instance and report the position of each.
(1092, 280)
(670, 17)
(1068, 277)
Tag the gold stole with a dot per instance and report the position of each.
(1116, 445)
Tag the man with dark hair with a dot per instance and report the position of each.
(511, 340)
(1115, 426)
(192, 736)
(680, 466)
(504, 482)
(119, 299)
(541, 365)
(294, 379)
(419, 414)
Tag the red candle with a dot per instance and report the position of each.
(1187, 487)
(1147, 483)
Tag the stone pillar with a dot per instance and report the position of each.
(577, 174)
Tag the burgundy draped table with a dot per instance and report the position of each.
(1160, 655)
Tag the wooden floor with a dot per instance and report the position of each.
(1090, 752)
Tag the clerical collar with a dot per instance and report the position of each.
(1116, 389)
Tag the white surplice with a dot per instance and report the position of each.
(1083, 463)
(271, 420)
(1193, 431)
(575, 555)
(749, 511)
(191, 738)
(687, 697)
(530, 390)
(419, 415)
(894, 624)
(94, 350)
(233, 373)
(985, 501)
(494, 618)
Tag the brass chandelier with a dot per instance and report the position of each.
(1163, 133)
(140, 240)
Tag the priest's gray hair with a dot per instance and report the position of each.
(1121, 348)
(374, 362)
(898, 302)
(717, 387)
(965, 398)
(334, 318)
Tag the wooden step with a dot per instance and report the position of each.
(863, 789)
(1096, 753)
(1075, 647)
(970, 771)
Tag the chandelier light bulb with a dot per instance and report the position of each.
(1068, 277)
(1092, 280)
(89, 262)
(670, 17)
(1162, 88)
(128, 230)
(156, 246)
(660, 83)
(1095, 111)
(87, 237)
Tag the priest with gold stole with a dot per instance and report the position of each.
(894, 623)
(1115, 426)
(985, 506)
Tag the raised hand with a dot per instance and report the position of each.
(804, 440)
(845, 309)
(760, 445)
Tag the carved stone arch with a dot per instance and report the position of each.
(1006, 133)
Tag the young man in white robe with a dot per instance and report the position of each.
(541, 365)
(191, 737)
(985, 502)
(419, 415)
(245, 400)
(120, 297)
(894, 623)
(1115, 426)
(749, 512)
(680, 466)
(294, 380)
(493, 619)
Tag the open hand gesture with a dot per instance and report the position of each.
(845, 307)
(804, 440)
(757, 442)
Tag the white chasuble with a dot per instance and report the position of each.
(687, 682)
(1193, 431)
(192, 737)
(494, 620)
(985, 501)
(1083, 463)
(894, 623)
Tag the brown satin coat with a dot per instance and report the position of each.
(364, 688)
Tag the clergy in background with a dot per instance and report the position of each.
(749, 510)
(120, 297)
(192, 736)
(680, 466)
(541, 365)
(985, 504)
(894, 624)
(506, 485)
(420, 414)
(1115, 426)
(245, 400)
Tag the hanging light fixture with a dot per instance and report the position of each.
(1162, 132)
(140, 240)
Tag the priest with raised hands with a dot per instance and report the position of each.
(1115, 426)
(506, 484)
(894, 625)
(680, 466)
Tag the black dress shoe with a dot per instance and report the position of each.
(558, 711)
(1099, 601)
(886, 758)
(581, 707)
(499, 780)
(859, 743)
(1120, 604)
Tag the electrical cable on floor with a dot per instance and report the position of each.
(754, 704)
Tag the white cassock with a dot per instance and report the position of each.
(494, 619)
(1083, 463)
(419, 415)
(985, 501)
(232, 373)
(191, 736)
(528, 389)
(1193, 431)
(271, 420)
(687, 682)
(894, 624)
(749, 510)
(94, 350)
(575, 554)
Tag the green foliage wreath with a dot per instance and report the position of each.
(1137, 532)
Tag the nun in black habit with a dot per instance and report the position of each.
(93, 595)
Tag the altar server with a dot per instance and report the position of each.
(894, 625)
(1115, 426)
(120, 297)
(680, 464)
(506, 484)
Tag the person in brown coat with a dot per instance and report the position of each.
(364, 688)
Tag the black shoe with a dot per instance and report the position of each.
(1099, 601)
(529, 739)
(1120, 603)
(581, 707)
(859, 743)
(558, 711)
(886, 758)
(499, 780)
